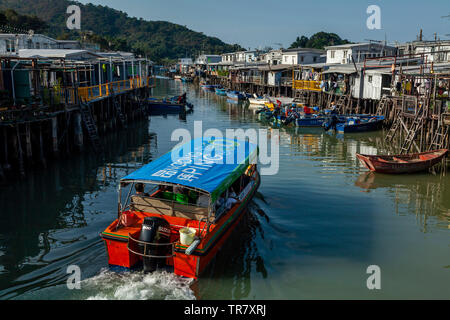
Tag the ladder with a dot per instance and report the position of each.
(412, 132)
(89, 124)
(394, 127)
(439, 138)
(122, 118)
(340, 104)
(382, 105)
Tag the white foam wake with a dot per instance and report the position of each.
(160, 285)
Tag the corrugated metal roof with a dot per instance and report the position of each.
(57, 53)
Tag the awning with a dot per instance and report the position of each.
(207, 164)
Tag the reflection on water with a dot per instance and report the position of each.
(310, 232)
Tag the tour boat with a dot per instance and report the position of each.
(407, 163)
(199, 193)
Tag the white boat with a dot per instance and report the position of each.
(259, 101)
(283, 100)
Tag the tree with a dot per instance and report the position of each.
(319, 40)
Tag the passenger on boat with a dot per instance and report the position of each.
(307, 109)
(231, 199)
(203, 201)
(140, 190)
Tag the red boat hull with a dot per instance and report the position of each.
(398, 164)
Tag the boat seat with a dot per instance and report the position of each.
(168, 208)
(425, 157)
(399, 160)
(150, 205)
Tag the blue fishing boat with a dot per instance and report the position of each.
(358, 124)
(235, 95)
(221, 91)
(311, 121)
(172, 105)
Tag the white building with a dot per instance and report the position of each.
(302, 56)
(206, 59)
(246, 56)
(343, 54)
(273, 57)
(229, 58)
(433, 51)
(12, 43)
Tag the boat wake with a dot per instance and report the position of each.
(160, 285)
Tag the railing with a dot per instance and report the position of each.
(286, 81)
(135, 243)
(104, 90)
(306, 85)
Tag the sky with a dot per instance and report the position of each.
(260, 23)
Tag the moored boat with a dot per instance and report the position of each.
(221, 91)
(235, 95)
(358, 124)
(175, 104)
(407, 163)
(195, 203)
(259, 101)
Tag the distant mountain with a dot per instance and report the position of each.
(159, 40)
(319, 40)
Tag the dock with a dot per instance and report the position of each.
(52, 107)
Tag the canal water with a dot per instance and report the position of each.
(311, 232)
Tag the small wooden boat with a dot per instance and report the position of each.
(402, 163)
(357, 124)
(235, 95)
(311, 121)
(172, 105)
(221, 92)
(195, 203)
(260, 101)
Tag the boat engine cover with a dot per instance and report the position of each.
(154, 230)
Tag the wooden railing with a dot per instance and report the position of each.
(306, 85)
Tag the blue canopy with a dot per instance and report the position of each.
(207, 164)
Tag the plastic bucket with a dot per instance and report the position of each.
(187, 236)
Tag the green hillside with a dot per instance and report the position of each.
(114, 29)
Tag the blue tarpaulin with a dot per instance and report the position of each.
(207, 164)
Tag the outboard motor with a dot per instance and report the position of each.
(154, 230)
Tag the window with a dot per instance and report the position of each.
(332, 54)
(315, 59)
(302, 58)
(370, 79)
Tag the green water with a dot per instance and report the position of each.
(310, 233)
